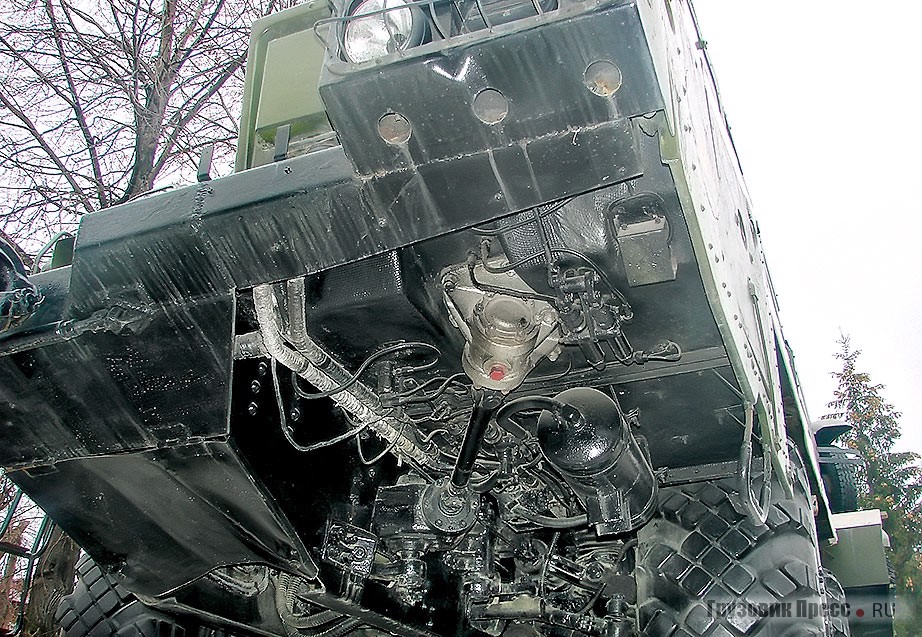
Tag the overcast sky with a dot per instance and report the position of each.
(823, 100)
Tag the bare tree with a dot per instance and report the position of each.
(52, 577)
(100, 99)
(12, 577)
(10, 591)
(24, 533)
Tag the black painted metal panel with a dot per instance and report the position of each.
(538, 70)
(162, 518)
(103, 393)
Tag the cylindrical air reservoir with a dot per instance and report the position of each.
(595, 451)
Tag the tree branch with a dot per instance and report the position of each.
(39, 138)
(77, 107)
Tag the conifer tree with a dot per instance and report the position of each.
(892, 480)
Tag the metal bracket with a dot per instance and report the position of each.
(697, 473)
(204, 163)
(282, 138)
(350, 548)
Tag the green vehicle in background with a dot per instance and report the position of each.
(478, 339)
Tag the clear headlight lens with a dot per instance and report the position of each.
(398, 28)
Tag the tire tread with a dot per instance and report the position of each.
(101, 607)
(700, 555)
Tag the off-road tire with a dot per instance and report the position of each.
(841, 482)
(705, 569)
(837, 620)
(100, 607)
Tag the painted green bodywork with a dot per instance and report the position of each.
(283, 69)
(858, 559)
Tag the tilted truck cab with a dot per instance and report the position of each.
(478, 339)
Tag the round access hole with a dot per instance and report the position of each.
(490, 106)
(394, 128)
(602, 78)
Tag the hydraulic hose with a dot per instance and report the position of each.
(526, 403)
(315, 366)
(552, 522)
(323, 623)
(757, 510)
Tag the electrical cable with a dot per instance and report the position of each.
(485, 254)
(505, 413)
(670, 352)
(552, 522)
(622, 552)
(592, 600)
(430, 397)
(547, 560)
(485, 287)
(390, 446)
(495, 232)
(354, 378)
(284, 421)
(550, 250)
(446, 382)
(483, 461)
(487, 483)
(432, 434)
(546, 246)
(552, 377)
(412, 369)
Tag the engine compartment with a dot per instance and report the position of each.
(489, 415)
(462, 432)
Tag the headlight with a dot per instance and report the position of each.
(392, 26)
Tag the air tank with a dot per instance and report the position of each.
(588, 441)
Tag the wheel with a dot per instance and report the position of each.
(705, 569)
(100, 607)
(837, 619)
(840, 480)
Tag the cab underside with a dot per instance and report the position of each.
(432, 385)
